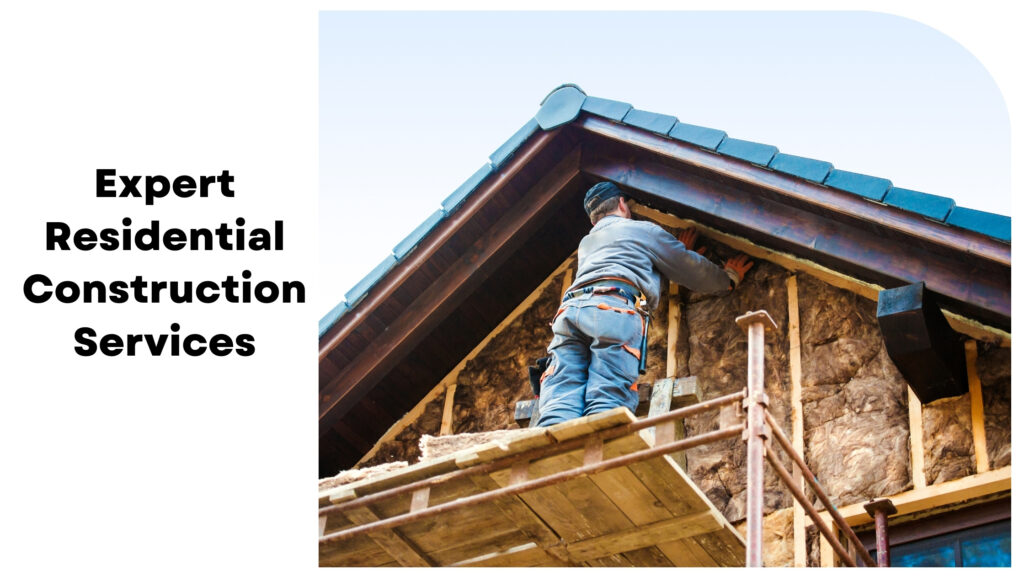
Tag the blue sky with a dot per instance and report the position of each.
(411, 104)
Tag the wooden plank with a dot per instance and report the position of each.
(357, 552)
(826, 554)
(447, 411)
(452, 376)
(461, 545)
(689, 552)
(578, 427)
(420, 499)
(960, 323)
(936, 495)
(661, 402)
(643, 536)
(916, 440)
(567, 280)
(639, 504)
(726, 546)
(525, 555)
(797, 418)
(977, 407)
(396, 545)
(650, 557)
(675, 314)
(519, 514)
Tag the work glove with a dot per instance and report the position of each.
(737, 267)
(689, 239)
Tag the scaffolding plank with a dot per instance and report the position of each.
(646, 514)
(525, 555)
(643, 536)
(519, 514)
(398, 547)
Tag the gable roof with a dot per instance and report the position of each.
(503, 230)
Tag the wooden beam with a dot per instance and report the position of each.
(827, 557)
(566, 281)
(446, 293)
(793, 263)
(525, 555)
(799, 192)
(977, 407)
(452, 376)
(643, 536)
(669, 394)
(797, 417)
(447, 412)
(675, 315)
(519, 514)
(916, 440)
(936, 495)
(397, 546)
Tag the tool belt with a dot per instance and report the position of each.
(631, 293)
(622, 287)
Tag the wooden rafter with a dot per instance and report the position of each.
(445, 294)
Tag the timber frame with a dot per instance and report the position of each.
(517, 221)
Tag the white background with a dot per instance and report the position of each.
(143, 464)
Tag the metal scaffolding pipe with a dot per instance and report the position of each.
(595, 468)
(790, 483)
(533, 454)
(881, 509)
(755, 323)
(844, 526)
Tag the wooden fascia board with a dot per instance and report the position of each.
(384, 289)
(802, 192)
(966, 326)
(960, 282)
(445, 294)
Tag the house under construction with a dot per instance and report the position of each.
(848, 403)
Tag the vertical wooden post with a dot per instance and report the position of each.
(447, 414)
(756, 323)
(977, 407)
(797, 417)
(566, 284)
(674, 317)
(916, 440)
(825, 552)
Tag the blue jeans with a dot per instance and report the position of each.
(595, 358)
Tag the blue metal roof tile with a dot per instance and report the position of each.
(357, 292)
(659, 123)
(934, 207)
(331, 318)
(806, 168)
(509, 147)
(561, 106)
(987, 223)
(455, 198)
(410, 241)
(752, 152)
(704, 137)
(869, 187)
(610, 109)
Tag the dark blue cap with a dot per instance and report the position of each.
(598, 193)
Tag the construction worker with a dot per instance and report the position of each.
(600, 330)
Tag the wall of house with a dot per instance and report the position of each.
(855, 404)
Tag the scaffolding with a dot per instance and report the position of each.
(538, 500)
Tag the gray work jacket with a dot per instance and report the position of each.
(641, 252)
